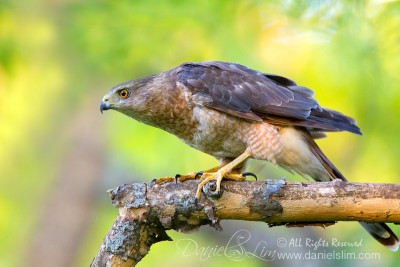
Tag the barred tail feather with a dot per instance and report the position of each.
(383, 234)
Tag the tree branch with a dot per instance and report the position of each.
(147, 211)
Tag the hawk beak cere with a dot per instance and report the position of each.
(104, 105)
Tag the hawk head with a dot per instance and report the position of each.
(130, 98)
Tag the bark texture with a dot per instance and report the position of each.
(147, 211)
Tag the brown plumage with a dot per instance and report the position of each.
(234, 113)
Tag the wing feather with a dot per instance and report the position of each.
(252, 95)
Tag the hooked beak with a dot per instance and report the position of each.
(104, 105)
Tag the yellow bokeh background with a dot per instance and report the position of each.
(58, 154)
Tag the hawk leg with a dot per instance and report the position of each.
(224, 172)
(227, 171)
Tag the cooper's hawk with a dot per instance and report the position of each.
(235, 113)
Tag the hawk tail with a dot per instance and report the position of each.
(380, 231)
(383, 234)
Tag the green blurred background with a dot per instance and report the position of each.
(58, 154)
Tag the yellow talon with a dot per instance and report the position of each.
(213, 174)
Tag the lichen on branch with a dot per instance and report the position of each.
(146, 211)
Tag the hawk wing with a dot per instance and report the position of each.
(252, 95)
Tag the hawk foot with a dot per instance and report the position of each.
(178, 177)
(215, 188)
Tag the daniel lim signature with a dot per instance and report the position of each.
(234, 250)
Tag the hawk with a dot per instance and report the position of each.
(235, 113)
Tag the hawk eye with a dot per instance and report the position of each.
(124, 93)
